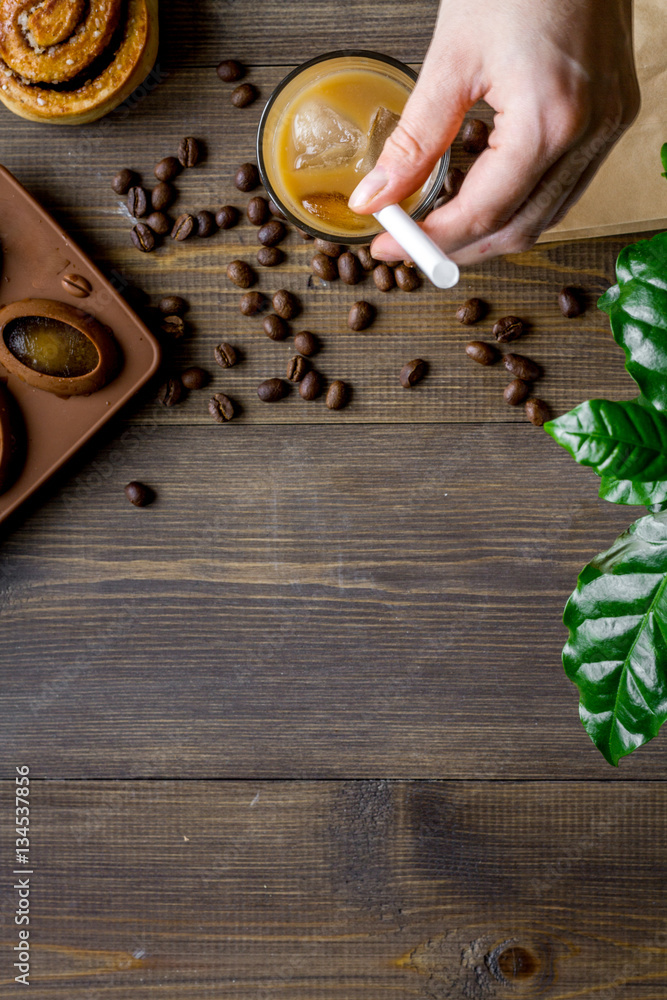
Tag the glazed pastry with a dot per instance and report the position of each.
(68, 62)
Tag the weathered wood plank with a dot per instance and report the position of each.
(347, 890)
(368, 601)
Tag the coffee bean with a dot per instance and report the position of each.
(184, 227)
(271, 390)
(159, 223)
(225, 355)
(206, 224)
(412, 372)
(195, 378)
(384, 279)
(570, 301)
(139, 494)
(221, 408)
(173, 326)
(297, 368)
(273, 208)
(453, 180)
(285, 304)
(241, 274)
(366, 259)
(258, 210)
(124, 180)
(230, 70)
(537, 411)
(274, 327)
(76, 285)
(143, 237)
(483, 354)
(137, 202)
(336, 397)
(306, 343)
(522, 367)
(349, 268)
(361, 315)
(329, 248)
(171, 392)
(407, 277)
(227, 216)
(167, 169)
(324, 267)
(243, 95)
(188, 152)
(516, 392)
(311, 385)
(162, 196)
(304, 235)
(474, 135)
(252, 303)
(271, 233)
(507, 329)
(172, 305)
(247, 177)
(270, 256)
(471, 312)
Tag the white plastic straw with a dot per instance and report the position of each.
(436, 265)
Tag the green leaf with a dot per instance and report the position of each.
(625, 491)
(663, 157)
(616, 653)
(637, 309)
(623, 440)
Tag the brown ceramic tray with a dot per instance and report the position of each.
(36, 254)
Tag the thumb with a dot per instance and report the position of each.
(428, 126)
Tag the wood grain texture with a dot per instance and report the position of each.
(351, 890)
(373, 601)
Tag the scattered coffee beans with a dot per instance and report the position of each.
(271, 390)
(483, 354)
(139, 494)
(241, 274)
(173, 326)
(366, 260)
(507, 329)
(167, 169)
(271, 233)
(472, 311)
(304, 235)
(159, 223)
(162, 196)
(184, 227)
(306, 343)
(522, 367)
(270, 256)
(172, 305)
(206, 224)
(516, 392)
(171, 392)
(230, 71)
(225, 355)
(188, 152)
(311, 386)
(571, 302)
(537, 411)
(247, 177)
(336, 397)
(274, 327)
(124, 180)
(285, 304)
(258, 210)
(221, 408)
(243, 95)
(324, 267)
(143, 238)
(194, 378)
(384, 279)
(407, 277)
(453, 180)
(297, 368)
(76, 285)
(349, 268)
(137, 202)
(330, 249)
(227, 216)
(273, 208)
(252, 303)
(361, 316)
(412, 372)
(474, 135)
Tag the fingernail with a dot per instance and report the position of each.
(366, 190)
(383, 255)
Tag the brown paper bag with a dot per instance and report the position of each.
(628, 194)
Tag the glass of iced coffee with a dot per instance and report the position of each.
(323, 130)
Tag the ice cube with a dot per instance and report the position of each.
(383, 124)
(332, 207)
(322, 137)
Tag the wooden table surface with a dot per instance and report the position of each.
(300, 729)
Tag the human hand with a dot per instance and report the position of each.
(560, 75)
